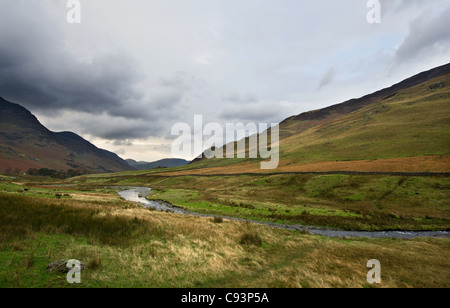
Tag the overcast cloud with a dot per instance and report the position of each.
(133, 68)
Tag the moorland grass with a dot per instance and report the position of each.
(21, 216)
(169, 250)
(358, 202)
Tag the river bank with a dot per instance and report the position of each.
(139, 194)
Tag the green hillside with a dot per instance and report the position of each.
(412, 122)
(409, 119)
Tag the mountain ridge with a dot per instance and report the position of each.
(25, 143)
(162, 163)
(355, 104)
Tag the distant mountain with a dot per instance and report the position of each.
(163, 163)
(405, 127)
(25, 143)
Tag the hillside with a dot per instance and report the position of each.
(403, 128)
(163, 163)
(25, 143)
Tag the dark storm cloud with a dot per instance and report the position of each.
(121, 130)
(38, 69)
(49, 72)
(62, 83)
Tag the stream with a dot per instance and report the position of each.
(139, 194)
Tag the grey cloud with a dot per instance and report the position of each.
(254, 112)
(119, 130)
(327, 78)
(120, 151)
(181, 80)
(426, 37)
(125, 142)
(42, 74)
(395, 6)
(243, 99)
(39, 70)
(89, 78)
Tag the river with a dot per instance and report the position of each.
(139, 194)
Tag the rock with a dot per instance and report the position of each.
(61, 266)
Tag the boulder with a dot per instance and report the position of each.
(61, 266)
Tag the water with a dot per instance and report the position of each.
(138, 194)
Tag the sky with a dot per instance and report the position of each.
(133, 68)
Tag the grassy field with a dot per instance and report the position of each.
(357, 202)
(123, 245)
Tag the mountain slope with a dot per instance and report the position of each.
(299, 123)
(405, 127)
(25, 143)
(163, 163)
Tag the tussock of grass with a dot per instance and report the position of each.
(217, 219)
(21, 216)
(251, 238)
(95, 262)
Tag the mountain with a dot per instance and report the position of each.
(25, 143)
(163, 163)
(405, 127)
(299, 123)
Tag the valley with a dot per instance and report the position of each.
(365, 179)
(123, 243)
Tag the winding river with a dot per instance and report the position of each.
(139, 194)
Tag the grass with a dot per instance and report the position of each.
(343, 201)
(124, 245)
(217, 219)
(183, 251)
(20, 216)
(367, 133)
(357, 202)
(250, 236)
